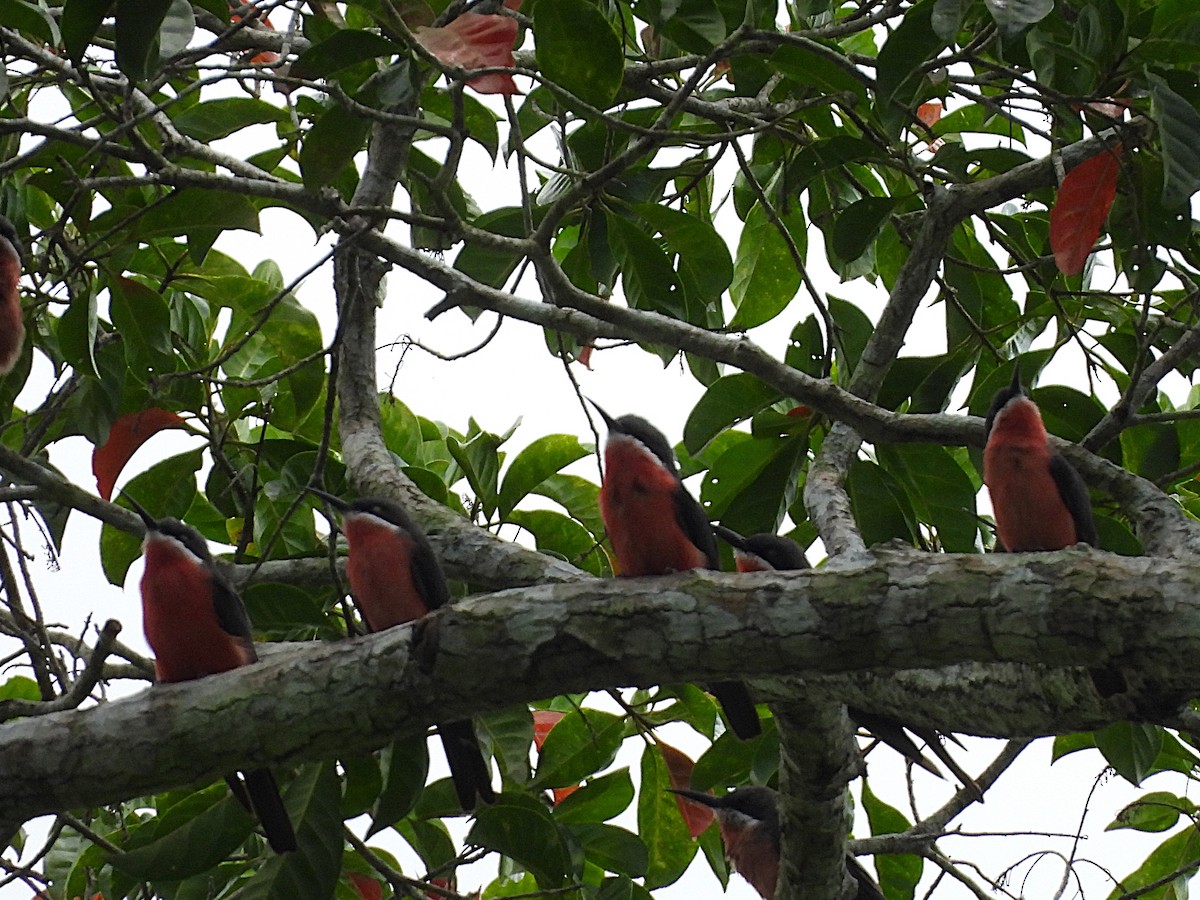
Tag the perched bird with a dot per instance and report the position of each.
(656, 527)
(1039, 500)
(396, 578)
(765, 552)
(196, 625)
(12, 326)
(749, 821)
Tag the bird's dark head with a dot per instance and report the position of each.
(389, 511)
(1006, 395)
(172, 529)
(763, 551)
(9, 233)
(638, 429)
(754, 803)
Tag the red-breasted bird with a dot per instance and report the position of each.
(1039, 500)
(749, 821)
(12, 326)
(766, 552)
(196, 625)
(396, 578)
(656, 527)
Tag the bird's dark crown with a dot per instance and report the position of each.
(1003, 397)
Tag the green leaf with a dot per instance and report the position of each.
(938, 489)
(660, 825)
(899, 873)
(859, 224)
(1130, 748)
(1179, 124)
(578, 49)
(853, 330)
(195, 846)
(563, 537)
(544, 457)
(611, 848)
(1065, 744)
(695, 25)
(1157, 811)
(342, 49)
(330, 146)
(18, 687)
(138, 22)
(216, 119)
(140, 315)
(729, 400)
(765, 277)
(880, 505)
(76, 332)
(599, 800)
(582, 743)
(510, 735)
(80, 20)
(1014, 16)
(647, 276)
(405, 764)
(704, 259)
(1180, 852)
(621, 888)
(902, 60)
(313, 801)
(479, 457)
(520, 827)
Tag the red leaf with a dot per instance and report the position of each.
(930, 112)
(266, 57)
(679, 771)
(584, 356)
(475, 41)
(1084, 199)
(127, 434)
(543, 721)
(799, 412)
(368, 888)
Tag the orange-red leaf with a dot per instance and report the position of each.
(930, 112)
(368, 888)
(127, 434)
(543, 721)
(476, 41)
(679, 771)
(1080, 209)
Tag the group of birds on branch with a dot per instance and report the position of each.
(197, 625)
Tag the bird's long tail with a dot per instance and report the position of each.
(468, 769)
(739, 708)
(258, 790)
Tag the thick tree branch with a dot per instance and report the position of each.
(1140, 617)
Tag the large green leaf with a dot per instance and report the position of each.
(520, 827)
(727, 401)
(544, 457)
(582, 743)
(1179, 122)
(660, 825)
(899, 873)
(194, 846)
(765, 278)
(405, 765)
(578, 49)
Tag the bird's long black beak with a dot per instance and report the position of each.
(698, 796)
(1015, 385)
(336, 502)
(609, 421)
(148, 520)
(731, 537)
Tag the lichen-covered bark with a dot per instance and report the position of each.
(1073, 610)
